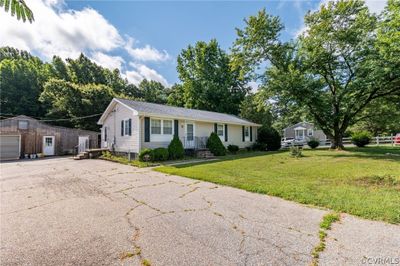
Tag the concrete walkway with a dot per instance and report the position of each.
(93, 212)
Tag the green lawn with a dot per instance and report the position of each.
(359, 181)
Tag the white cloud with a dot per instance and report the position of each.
(146, 53)
(60, 31)
(107, 61)
(63, 32)
(141, 72)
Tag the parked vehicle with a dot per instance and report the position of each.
(397, 139)
(288, 142)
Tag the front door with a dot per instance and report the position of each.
(189, 139)
(48, 145)
(83, 143)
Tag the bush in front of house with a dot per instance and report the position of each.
(361, 139)
(259, 146)
(313, 143)
(175, 149)
(159, 154)
(145, 155)
(233, 149)
(214, 144)
(270, 137)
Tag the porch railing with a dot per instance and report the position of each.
(196, 143)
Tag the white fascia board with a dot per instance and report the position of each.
(199, 120)
(110, 107)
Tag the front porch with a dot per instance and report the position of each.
(194, 143)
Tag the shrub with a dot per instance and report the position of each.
(259, 146)
(159, 154)
(270, 137)
(214, 144)
(145, 155)
(175, 149)
(313, 143)
(296, 151)
(233, 149)
(360, 139)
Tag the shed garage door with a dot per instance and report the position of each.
(9, 147)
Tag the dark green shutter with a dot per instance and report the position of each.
(176, 128)
(130, 127)
(147, 129)
(251, 133)
(122, 127)
(243, 133)
(215, 128)
(226, 132)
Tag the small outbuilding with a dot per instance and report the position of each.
(23, 136)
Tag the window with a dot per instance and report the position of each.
(247, 132)
(105, 133)
(48, 142)
(22, 124)
(155, 125)
(167, 127)
(189, 132)
(127, 127)
(310, 132)
(220, 130)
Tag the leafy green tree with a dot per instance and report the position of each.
(21, 82)
(18, 8)
(209, 83)
(334, 70)
(381, 117)
(176, 96)
(256, 110)
(70, 101)
(152, 91)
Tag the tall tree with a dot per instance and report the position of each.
(335, 69)
(66, 100)
(209, 83)
(176, 96)
(256, 110)
(152, 91)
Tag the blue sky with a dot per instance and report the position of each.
(142, 38)
(171, 26)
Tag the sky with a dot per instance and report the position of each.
(142, 38)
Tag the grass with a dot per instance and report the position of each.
(360, 181)
(325, 225)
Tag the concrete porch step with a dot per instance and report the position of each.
(206, 154)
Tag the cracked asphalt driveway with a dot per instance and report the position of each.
(64, 212)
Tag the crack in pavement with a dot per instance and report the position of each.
(188, 192)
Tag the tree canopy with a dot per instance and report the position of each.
(335, 69)
(208, 82)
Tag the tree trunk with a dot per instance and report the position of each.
(337, 141)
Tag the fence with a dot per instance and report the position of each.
(378, 140)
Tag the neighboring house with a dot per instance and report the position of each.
(303, 131)
(23, 135)
(131, 126)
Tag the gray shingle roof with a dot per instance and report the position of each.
(179, 112)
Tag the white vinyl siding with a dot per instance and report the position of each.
(112, 122)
